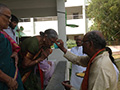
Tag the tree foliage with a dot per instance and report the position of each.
(106, 17)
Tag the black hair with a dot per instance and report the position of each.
(14, 18)
(51, 33)
(110, 55)
(99, 42)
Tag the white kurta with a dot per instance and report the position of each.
(77, 81)
(10, 33)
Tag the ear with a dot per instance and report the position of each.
(91, 45)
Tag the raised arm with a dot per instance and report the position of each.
(30, 60)
(80, 60)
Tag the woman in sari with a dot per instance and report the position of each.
(34, 50)
(9, 76)
(7, 66)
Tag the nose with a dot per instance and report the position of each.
(9, 20)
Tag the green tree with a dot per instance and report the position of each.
(106, 17)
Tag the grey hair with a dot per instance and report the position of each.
(51, 33)
(2, 7)
(99, 42)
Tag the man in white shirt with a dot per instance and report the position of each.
(11, 28)
(78, 50)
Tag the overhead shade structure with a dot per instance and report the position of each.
(32, 8)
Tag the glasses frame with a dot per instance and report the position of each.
(9, 17)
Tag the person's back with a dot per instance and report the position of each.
(113, 61)
(102, 70)
(28, 43)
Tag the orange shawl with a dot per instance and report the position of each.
(86, 77)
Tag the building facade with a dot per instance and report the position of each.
(75, 15)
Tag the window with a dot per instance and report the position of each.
(24, 20)
(75, 15)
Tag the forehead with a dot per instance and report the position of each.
(53, 39)
(5, 11)
(78, 38)
(86, 36)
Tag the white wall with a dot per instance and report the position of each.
(70, 3)
(42, 26)
(76, 30)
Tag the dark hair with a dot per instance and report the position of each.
(14, 18)
(51, 33)
(110, 55)
(99, 42)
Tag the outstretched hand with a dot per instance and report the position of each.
(60, 44)
(66, 84)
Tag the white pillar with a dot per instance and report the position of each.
(58, 54)
(61, 20)
(33, 25)
(84, 15)
(62, 30)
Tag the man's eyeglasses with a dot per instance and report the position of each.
(85, 41)
(9, 17)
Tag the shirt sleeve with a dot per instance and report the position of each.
(79, 60)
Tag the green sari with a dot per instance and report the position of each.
(30, 45)
(7, 64)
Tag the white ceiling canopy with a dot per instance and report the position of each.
(32, 8)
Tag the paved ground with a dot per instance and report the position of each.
(115, 49)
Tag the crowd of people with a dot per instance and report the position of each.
(32, 54)
(21, 65)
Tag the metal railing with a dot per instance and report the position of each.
(52, 18)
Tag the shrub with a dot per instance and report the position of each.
(71, 43)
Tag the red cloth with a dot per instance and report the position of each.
(15, 47)
(41, 77)
(86, 77)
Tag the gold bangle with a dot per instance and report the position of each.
(29, 55)
(36, 61)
